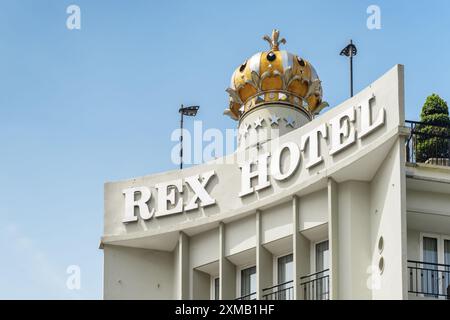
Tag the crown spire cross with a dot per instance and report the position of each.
(273, 41)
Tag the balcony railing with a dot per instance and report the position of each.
(282, 291)
(430, 280)
(428, 143)
(316, 286)
(250, 296)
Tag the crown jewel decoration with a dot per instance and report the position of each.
(275, 76)
(274, 43)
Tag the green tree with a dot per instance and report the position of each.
(433, 136)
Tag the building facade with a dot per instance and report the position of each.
(309, 206)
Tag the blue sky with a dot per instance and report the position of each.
(82, 107)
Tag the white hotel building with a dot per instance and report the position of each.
(329, 206)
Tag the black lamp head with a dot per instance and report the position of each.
(349, 50)
(190, 111)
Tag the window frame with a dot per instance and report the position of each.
(440, 250)
(440, 244)
(313, 253)
(275, 275)
(239, 280)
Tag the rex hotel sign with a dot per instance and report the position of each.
(339, 132)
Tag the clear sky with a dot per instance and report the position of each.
(82, 107)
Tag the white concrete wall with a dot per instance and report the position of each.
(132, 273)
(264, 260)
(300, 251)
(277, 222)
(313, 209)
(354, 240)
(183, 262)
(388, 219)
(333, 237)
(266, 133)
(240, 235)
(204, 248)
(413, 245)
(423, 201)
(227, 270)
(201, 285)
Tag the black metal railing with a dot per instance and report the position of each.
(250, 296)
(428, 143)
(282, 291)
(316, 286)
(429, 279)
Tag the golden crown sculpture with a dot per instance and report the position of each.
(275, 76)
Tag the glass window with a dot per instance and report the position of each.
(321, 279)
(430, 280)
(433, 272)
(285, 272)
(322, 256)
(248, 283)
(430, 254)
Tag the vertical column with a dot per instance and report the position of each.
(401, 176)
(388, 220)
(300, 250)
(354, 240)
(227, 270)
(333, 237)
(264, 263)
(183, 255)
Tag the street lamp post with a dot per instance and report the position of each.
(350, 51)
(190, 112)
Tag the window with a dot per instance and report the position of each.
(285, 269)
(285, 277)
(430, 280)
(322, 256)
(435, 271)
(248, 283)
(322, 264)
